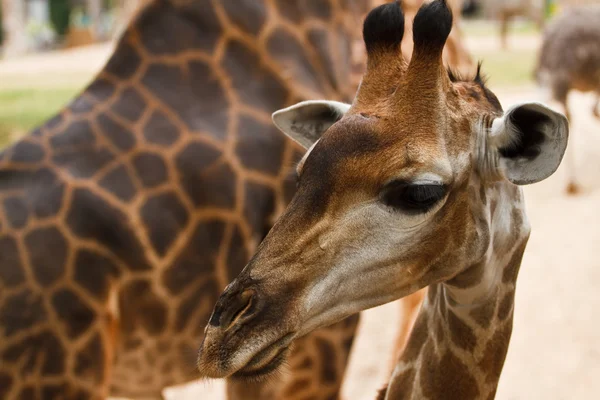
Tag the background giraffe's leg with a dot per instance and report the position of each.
(596, 108)
(317, 365)
(569, 158)
(410, 306)
(504, 22)
(55, 345)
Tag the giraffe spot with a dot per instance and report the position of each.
(328, 357)
(319, 8)
(455, 383)
(195, 309)
(484, 313)
(47, 249)
(54, 122)
(220, 178)
(254, 140)
(469, 277)
(27, 393)
(197, 259)
(90, 217)
(81, 105)
(512, 269)
(290, 10)
(237, 256)
(13, 179)
(461, 333)
(151, 169)
(506, 305)
(130, 105)
(291, 56)
(16, 212)
(83, 163)
(298, 385)
(89, 363)
(119, 136)
(259, 207)
(164, 218)
(44, 193)
(6, 382)
(253, 82)
(11, 269)
(118, 182)
(94, 273)
(20, 312)
(401, 386)
(134, 343)
(48, 358)
(76, 316)
(159, 130)
(124, 62)
(319, 41)
(63, 391)
(27, 153)
(169, 29)
(495, 354)
(249, 16)
(417, 338)
(197, 97)
(141, 308)
(101, 89)
(76, 135)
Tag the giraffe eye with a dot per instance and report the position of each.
(412, 197)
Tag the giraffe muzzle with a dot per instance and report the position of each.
(235, 306)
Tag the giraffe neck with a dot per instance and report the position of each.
(460, 339)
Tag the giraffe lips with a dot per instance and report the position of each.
(267, 360)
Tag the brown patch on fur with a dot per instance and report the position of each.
(484, 314)
(495, 353)
(417, 338)
(448, 375)
(461, 333)
(506, 305)
(401, 385)
(512, 269)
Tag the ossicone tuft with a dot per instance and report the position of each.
(384, 27)
(432, 25)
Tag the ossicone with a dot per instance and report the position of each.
(432, 26)
(384, 27)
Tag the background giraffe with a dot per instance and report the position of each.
(124, 216)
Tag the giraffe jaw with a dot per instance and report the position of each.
(266, 361)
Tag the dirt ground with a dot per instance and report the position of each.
(555, 348)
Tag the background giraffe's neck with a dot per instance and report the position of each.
(460, 339)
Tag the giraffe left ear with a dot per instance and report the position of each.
(305, 122)
(530, 140)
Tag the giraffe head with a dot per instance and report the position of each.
(393, 195)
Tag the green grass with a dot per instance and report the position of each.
(508, 68)
(478, 28)
(23, 109)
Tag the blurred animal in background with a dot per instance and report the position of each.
(570, 60)
(507, 10)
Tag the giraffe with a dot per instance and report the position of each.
(414, 184)
(123, 217)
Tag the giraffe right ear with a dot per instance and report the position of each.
(305, 122)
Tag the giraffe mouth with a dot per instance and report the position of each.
(267, 360)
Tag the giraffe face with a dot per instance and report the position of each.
(391, 198)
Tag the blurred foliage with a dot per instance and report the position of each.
(60, 15)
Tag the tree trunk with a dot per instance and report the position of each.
(15, 37)
(95, 12)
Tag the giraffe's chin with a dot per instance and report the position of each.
(266, 362)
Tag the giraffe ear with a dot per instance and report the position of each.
(305, 122)
(530, 140)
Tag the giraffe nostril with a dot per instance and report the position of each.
(233, 308)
